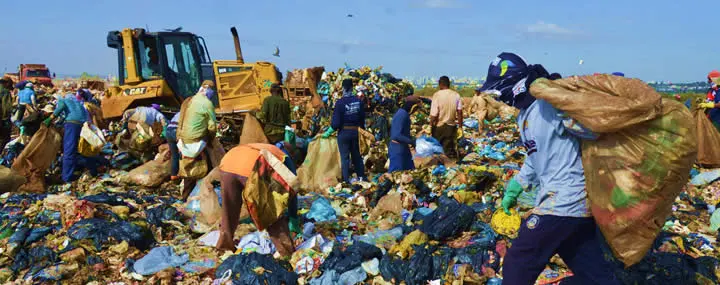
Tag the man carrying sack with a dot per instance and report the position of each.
(561, 222)
(196, 133)
(259, 175)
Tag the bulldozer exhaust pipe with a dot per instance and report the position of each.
(238, 51)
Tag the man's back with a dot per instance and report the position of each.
(444, 106)
(276, 111)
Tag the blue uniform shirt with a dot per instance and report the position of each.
(400, 128)
(349, 112)
(26, 96)
(72, 108)
(553, 160)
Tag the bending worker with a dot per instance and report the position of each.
(348, 116)
(26, 99)
(275, 114)
(148, 115)
(197, 126)
(561, 221)
(258, 174)
(400, 139)
(71, 106)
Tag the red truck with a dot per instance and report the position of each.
(36, 73)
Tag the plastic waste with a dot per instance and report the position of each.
(448, 220)
(255, 268)
(321, 211)
(427, 146)
(705, 178)
(256, 242)
(159, 259)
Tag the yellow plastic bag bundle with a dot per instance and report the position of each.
(505, 224)
(321, 168)
(640, 162)
(142, 137)
(91, 141)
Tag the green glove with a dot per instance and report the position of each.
(294, 226)
(328, 133)
(164, 133)
(48, 121)
(512, 192)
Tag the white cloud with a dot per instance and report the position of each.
(440, 3)
(548, 29)
(545, 30)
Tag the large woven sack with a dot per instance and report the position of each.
(10, 181)
(252, 131)
(366, 140)
(708, 139)
(321, 168)
(36, 157)
(151, 174)
(91, 140)
(602, 103)
(638, 166)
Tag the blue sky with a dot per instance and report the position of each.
(650, 40)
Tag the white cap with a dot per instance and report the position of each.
(29, 84)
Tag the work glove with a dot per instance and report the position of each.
(327, 133)
(47, 121)
(707, 105)
(512, 192)
(294, 226)
(459, 132)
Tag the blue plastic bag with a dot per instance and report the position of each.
(159, 259)
(427, 146)
(321, 211)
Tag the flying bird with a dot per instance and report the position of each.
(175, 30)
(581, 62)
(349, 15)
(277, 52)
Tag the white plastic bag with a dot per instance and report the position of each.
(191, 150)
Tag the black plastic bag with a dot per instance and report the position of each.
(243, 271)
(156, 216)
(447, 221)
(352, 257)
(35, 258)
(105, 198)
(100, 230)
(668, 268)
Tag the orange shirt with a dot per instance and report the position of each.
(241, 159)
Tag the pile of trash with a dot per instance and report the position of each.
(380, 88)
(437, 223)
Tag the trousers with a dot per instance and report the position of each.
(174, 151)
(400, 157)
(70, 157)
(447, 136)
(349, 147)
(577, 242)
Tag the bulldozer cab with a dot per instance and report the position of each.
(168, 67)
(180, 58)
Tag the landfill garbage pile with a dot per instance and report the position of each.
(438, 223)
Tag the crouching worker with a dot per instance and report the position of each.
(71, 106)
(258, 175)
(399, 148)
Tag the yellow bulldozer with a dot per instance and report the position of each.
(167, 67)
